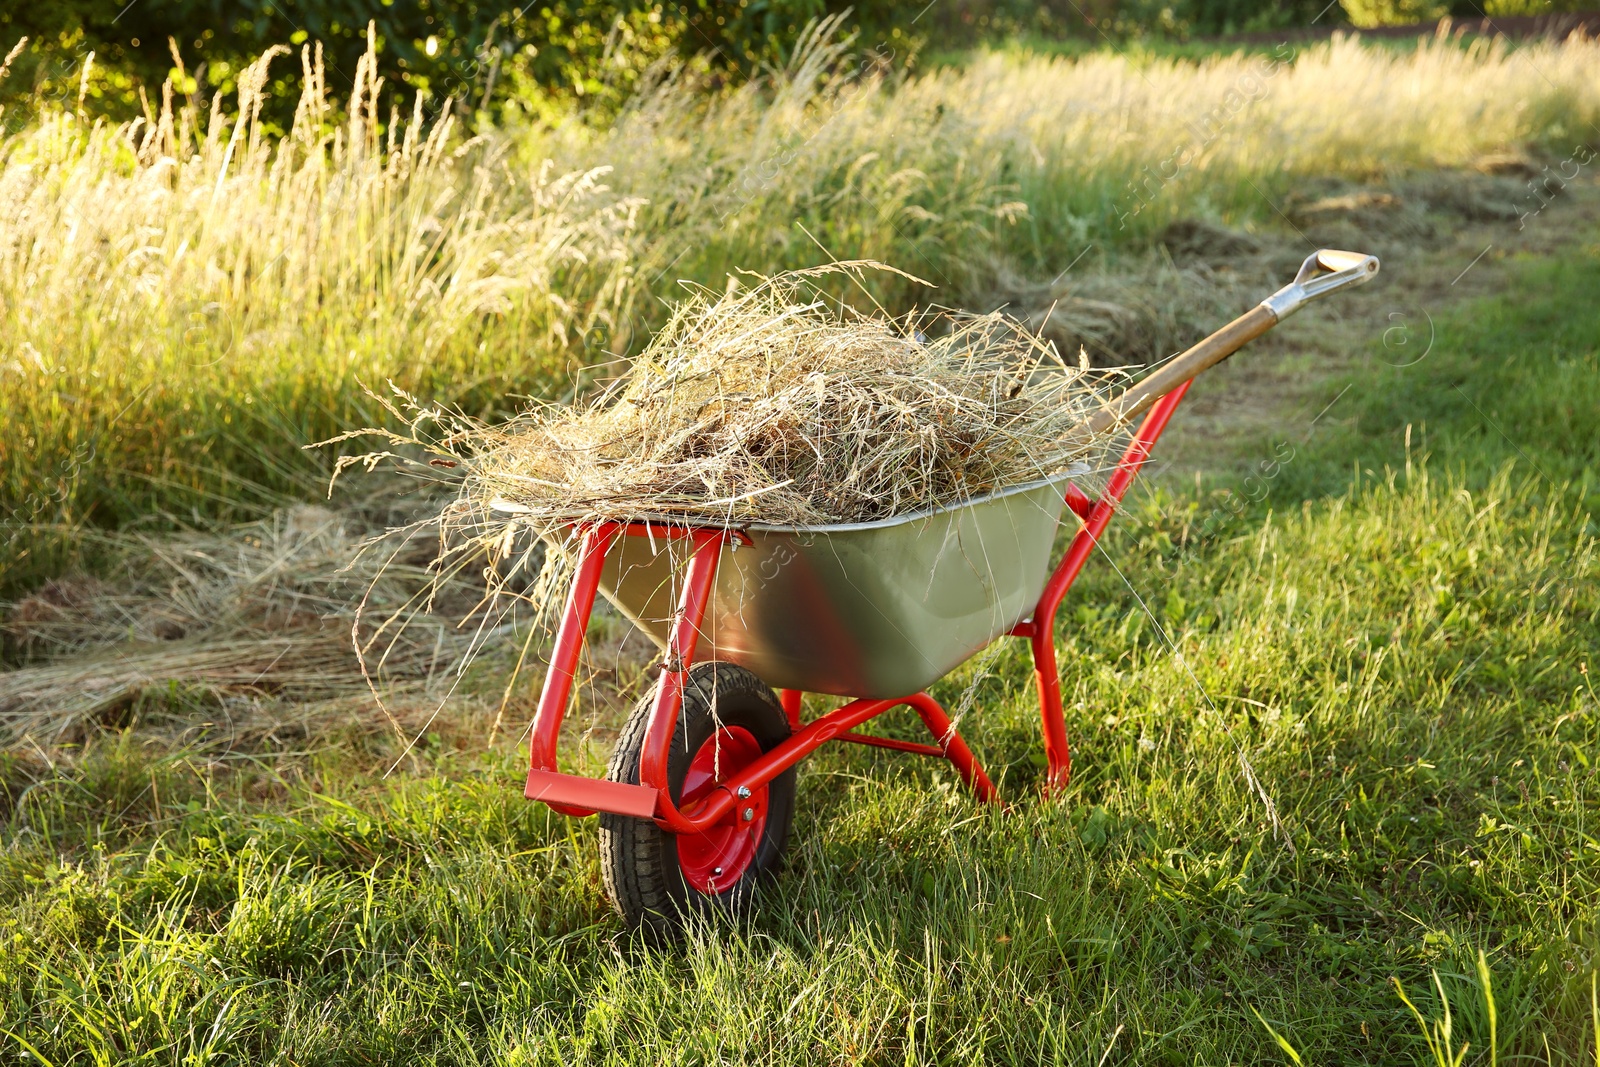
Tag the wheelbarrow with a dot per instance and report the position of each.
(696, 805)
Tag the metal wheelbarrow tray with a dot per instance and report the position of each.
(696, 804)
(869, 609)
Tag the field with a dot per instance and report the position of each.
(190, 302)
(1370, 575)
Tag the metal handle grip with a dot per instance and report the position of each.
(1322, 272)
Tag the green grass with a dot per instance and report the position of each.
(1401, 642)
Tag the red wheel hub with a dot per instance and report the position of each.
(716, 859)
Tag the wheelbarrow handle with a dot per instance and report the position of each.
(1323, 272)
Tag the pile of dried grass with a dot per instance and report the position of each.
(266, 609)
(287, 572)
(49, 701)
(1133, 311)
(774, 403)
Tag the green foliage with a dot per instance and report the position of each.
(1373, 13)
(1505, 8)
(459, 53)
(1209, 18)
(474, 56)
(1369, 13)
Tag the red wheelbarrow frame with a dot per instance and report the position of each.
(576, 795)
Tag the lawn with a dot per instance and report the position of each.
(1396, 638)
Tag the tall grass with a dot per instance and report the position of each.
(186, 301)
(1025, 160)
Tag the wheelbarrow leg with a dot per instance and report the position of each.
(594, 542)
(954, 748)
(1041, 630)
(1057, 751)
(684, 637)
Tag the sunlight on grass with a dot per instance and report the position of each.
(185, 302)
(1405, 655)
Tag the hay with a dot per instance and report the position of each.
(1137, 310)
(50, 701)
(773, 403)
(264, 609)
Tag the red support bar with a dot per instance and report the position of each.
(681, 642)
(1079, 502)
(954, 748)
(889, 742)
(812, 736)
(771, 764)
(1058, 753)
(557, 691)
(571, 793)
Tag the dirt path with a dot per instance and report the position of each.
(1276, 387)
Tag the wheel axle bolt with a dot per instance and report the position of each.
(743, 792)
(749, 813)
(717, 871)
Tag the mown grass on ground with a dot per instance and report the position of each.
(1400, 637)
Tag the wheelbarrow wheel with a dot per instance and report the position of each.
(655, 878)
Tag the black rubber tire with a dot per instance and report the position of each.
(639, 859)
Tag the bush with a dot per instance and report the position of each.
(1367, 13)
(473, 57)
